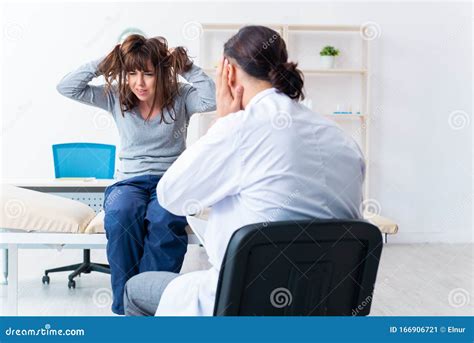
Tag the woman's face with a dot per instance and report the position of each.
(142, 83)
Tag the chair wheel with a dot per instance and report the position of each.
(71, 284)
(45, 280)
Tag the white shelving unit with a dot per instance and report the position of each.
(225, 31)
(356, 68)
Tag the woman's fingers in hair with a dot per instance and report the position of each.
(180, 59)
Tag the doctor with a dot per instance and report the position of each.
(267, 158)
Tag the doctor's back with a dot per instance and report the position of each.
(288, 162)
(297, 164)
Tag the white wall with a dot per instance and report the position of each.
(421, 166)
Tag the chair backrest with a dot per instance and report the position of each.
(84, 160)
(317, 268)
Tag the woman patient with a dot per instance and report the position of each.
(267, 158)
(150, 109)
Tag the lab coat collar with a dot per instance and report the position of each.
(257, 97)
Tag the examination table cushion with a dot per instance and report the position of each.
(97, 224)
(32, 211)
(386, 225)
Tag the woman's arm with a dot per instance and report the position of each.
(201, 95)
(75, 85)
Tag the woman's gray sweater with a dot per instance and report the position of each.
(147, 147)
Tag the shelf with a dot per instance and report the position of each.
(314, 71)
(312, 28)
(356, 71)
(333, 71)
(235, 27)
(220, 27)
(345, 116)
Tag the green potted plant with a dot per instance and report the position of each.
(327, 56)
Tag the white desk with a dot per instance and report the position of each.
(61, 185)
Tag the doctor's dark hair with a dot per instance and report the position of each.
(134, 54)
(261, 53)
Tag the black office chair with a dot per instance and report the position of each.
(317, 268)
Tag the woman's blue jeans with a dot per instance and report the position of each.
(141, 235)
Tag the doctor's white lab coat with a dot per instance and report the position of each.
(276, 160)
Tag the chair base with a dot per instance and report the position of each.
(85, 267)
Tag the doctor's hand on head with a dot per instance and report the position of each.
(228, 96)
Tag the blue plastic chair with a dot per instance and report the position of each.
(84, 160)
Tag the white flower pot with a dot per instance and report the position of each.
(327, 62)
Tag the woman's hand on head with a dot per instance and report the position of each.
(180, 59)
(228, 100)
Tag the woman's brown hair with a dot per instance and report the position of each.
(261, 53)
(134, 54)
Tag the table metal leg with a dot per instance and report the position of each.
(5, 266)
(12, 288)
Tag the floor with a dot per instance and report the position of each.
(413, 280)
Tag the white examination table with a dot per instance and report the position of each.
(26, 215)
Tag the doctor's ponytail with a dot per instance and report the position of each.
(261, 53)
(288, 79)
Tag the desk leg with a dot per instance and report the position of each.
(12, 280)
(5, 266)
